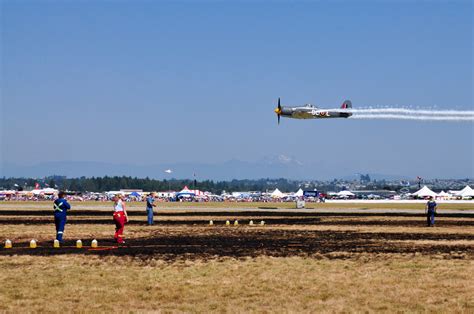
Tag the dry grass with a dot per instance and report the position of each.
(92, 284)
(339, 281)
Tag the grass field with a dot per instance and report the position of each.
(297, 262)
(263, 284)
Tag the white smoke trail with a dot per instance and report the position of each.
(414, 111)
(417, 117)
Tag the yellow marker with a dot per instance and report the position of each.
(33, 244)
(94, 243)
(236, 223)
(227, 223)
(211, 223)
(8, 244)
(262, 223)
(78, 244)
(251, 222)
(56, 244)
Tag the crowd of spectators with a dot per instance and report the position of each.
(104, 197)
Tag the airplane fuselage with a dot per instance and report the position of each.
(309, 112)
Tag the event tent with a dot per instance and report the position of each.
(44, 191)
(185, 192)
(277, 193)
(424, 192)
(7, 192)
(443, 195)
(299, 193)
(345, 194)
(466, 192)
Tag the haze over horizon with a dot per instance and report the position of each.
(272, 167)
(149, 85)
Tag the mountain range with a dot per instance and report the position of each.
(279, 166)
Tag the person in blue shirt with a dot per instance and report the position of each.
(430, 211)
(150, 203)
(60, 207)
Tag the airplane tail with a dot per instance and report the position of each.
(346, 104)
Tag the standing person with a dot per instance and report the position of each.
(150, 203)
(60, 206)
(430, 211)
(120, 218)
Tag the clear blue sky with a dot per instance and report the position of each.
(149, 82)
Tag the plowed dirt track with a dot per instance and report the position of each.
(178, 235)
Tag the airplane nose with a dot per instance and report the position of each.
(278, 111)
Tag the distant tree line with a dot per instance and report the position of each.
(107, 183)
(101, 184)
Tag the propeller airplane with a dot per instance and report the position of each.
(311, 112)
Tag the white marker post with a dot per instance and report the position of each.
(8, 244)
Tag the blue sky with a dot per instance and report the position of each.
(145, 82)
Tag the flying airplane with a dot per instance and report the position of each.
(311, 112)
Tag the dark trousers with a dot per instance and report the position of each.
(60, 222)
(430, 218)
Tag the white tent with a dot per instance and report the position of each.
(45, 191)
(443, 195)
(424, 192)
(277, 193)
(186, 192)
(299, 193)
(345, 194)
(466, 192)
(113, 193)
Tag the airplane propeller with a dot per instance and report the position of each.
(278, 110)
